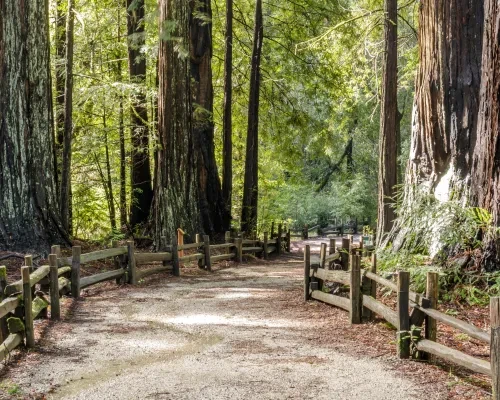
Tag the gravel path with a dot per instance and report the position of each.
(239, 333)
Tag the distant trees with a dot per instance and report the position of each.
(250, 185)
(29, 209)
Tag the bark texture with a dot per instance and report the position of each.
(250, 185)
(29, 210)
(387, 174)
(446, 104)
(486, 161)
(212, 207)
(142, 191)
(176, 192)
(227, 122)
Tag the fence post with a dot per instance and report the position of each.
(331, 250)
(227, 239)
(4, 332)
(495, 345)
(180, 240)
(239, 250)
(55, 308)
(176, 264)
(56, 249)
(345, 251)
(132, 271)
(75, 271)
(278, 240)
(307, 272)
(264, 245)
(432, 293)
(201, 261)
(322, 255)
(355, 290)
(208, 261)
(403, 335)
(28, 310)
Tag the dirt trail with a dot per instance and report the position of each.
(239, 333)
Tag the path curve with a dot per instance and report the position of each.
(239, 333)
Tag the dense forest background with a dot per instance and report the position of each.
(320, 91)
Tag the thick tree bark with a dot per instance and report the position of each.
(142, 191)
(60, 68)
(446, 106)
(29, 210)
(227, 123)
(250, 186)
(121, 132)
(176, 192)
(486, 161)
(387, 173)
(212, 207)
(68, 121)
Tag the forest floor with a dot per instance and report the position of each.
(242, 331)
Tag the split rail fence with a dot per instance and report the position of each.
(415, 317)
(39, 288)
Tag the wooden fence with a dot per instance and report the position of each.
(415, 317)
(30, 297)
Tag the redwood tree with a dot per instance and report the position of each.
(250, 185)
(227, 123)
(447, 100)
(212, 208)
(387, 174)
(29, 210)
(142, 191)
(176, 191)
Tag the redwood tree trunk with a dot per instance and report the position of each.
(29, 211)
(142, 192)
(250, 185)
(387, 172)
(60, 68)
(68, 121)
(176, 192)
(212, 207)
(227, 123)
(486, 161)
(446, 105)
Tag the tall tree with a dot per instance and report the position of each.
(446, 106)
(29, 210)
(212, 207)
(68, 121)
(250, 186)
(176, 192)
(142, 191)
(486, 161)
(227, 123)
(60, 69)
(388, 169)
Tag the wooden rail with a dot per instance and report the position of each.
(362, 296)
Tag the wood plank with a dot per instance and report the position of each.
(64, 286)
(222, 257)
(9, 344)
(271, 249)
(222, 246)
(63, 270)
(153, 271)
(332, 257)
(271, 241)
(102, 254)
(252, 249)
(462, 326)
(192, 257)
(104, 276)
(454, 356)
(332, 276)
(381, 309)
(8, 305)
(35, 277)
(331, 299)
(144, 258)
(38, 305)
(250, 241)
